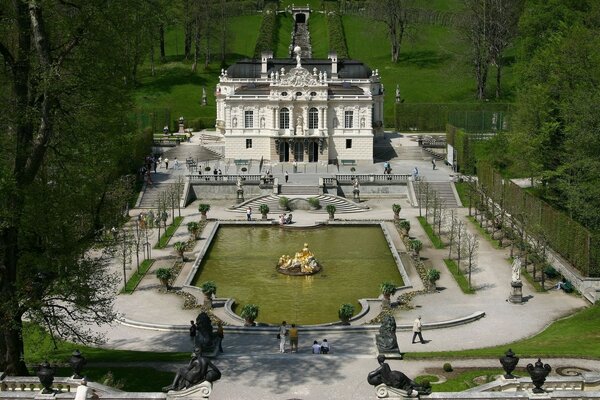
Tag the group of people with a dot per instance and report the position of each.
(320, 348)
(387, 168)
(286, 332)
(285, 219)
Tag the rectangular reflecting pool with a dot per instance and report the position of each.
(242, 261)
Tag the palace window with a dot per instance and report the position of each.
(248, 119)
(348, 143)
(313, 118)
(284, 118)
(348, 119)
(248, 143)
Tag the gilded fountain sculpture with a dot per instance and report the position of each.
(303, 263)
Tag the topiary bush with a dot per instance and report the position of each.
(447, 367)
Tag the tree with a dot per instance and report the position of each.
(475, 32)
(394, 14)
(471, 247)
(64, 131)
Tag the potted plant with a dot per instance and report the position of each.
(432, 276)
(331, 211)
(203, 208)
(396, 208)
(415, 246)
(249, 313)
(180, 249)
(209, 288)
(194, 229)
(346, 312)
(314, 203)
(387, 288)
(284, 203)
(404, 226)
(207, 169)
(165, 276)
(264, 210)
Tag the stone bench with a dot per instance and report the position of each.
(348, 162)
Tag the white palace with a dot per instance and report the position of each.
(304, 110)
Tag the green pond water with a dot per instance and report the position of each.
(242, 262)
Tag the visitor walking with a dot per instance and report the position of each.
(249, 213)
(316, 348)
(433, 163)
(176, 163)
(325, 347)
(166, 163)
(293, 332)
(221, 334)
(286, 177)
(193, 330)
(417, 327)
(283, 332)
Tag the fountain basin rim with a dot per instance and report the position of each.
(268, 330)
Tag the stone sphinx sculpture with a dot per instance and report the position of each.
(392, 382)
(386, 339)
(206, 341)
(200, 369)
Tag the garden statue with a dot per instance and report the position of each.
(516, 293)
(199, 370)
(206, 341)
(239, 184)
(298, 50)
(299, 125)
(516, 269)
(394, 380)
(386, 339)
(303, 263)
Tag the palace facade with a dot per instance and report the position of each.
(303, 110)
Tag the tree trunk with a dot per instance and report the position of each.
(161, 36)
(498, 77)
(187, 47)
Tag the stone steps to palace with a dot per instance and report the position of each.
(445, 191)
(341, 204)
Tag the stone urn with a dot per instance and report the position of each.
(509, 363)
(46, 375)
(77, 362)
(538, 373)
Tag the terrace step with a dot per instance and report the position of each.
(341, 204)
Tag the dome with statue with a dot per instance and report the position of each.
(303, 263)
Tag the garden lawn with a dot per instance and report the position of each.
(131, 379)
(435, 239)
(285, 26)
(574, 336)
(458, 276)
(319, 35)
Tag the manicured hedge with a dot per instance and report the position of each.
(570, 239)
(433, 117)
(337, 39)
(268, 29)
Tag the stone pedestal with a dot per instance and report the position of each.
(202, 390)
(240, 196)
(181, 128)
(516, 293)
(386, 392)
(356, 195)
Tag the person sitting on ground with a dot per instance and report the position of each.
(561, 283)
(316, 348)
(325, 347)
(288, 219)
(282, 219)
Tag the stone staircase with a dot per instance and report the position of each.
(310, 190)
(341, 204)
(411, 153)
(152, 193)
(445, 191)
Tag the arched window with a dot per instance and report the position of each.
(313, 118)
(284, 118)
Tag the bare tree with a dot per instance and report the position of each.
(461, 231)
(475, 30)
(452, 232)
(394, 14)
(471, 247)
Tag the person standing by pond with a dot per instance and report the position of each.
(293, 339)
(283, 331)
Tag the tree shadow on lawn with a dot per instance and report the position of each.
(424, 58)
(168, 78)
